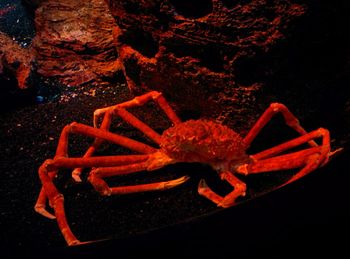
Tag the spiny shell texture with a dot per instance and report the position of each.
(202, 141)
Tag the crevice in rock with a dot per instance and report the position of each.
(192, 8)
(250, 70)
(132, 70)
(208, 57)
(189, 114)
(131, 7)
(229, 3)
(141, 41)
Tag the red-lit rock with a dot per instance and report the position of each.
(74, 42)
(15, 61)
(194, 51)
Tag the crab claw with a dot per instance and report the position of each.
(173, 183)
(76, 175)
(202, 186)
(41, 210)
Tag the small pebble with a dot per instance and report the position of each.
(39, 99)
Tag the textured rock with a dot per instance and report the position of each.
(194, 51)
(15, 61)
(74, 42)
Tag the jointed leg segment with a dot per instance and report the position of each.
(96, 178)
(139, 101)
(105, 125)
(229, 199)
(289, 118)
(112, 166)
(120, 110)
(150, 159)
(99, 135)
(267, 161)
(106, 166)
(62, 152)
(307, 159)
(56, 201)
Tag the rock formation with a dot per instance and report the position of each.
(74, 42)
(15, 61)
(212, 58)
(194, 51)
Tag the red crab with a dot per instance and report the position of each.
(191, 141)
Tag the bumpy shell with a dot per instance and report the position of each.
(202, 141)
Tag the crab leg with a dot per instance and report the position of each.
(56, 201)
(62, 148)
(158, 186)
(62, 151)
(230, 199)
(131, 119)
(98, 161)
(40, 205)
(282, 162)
(115, 165)
(155, 161)
(296, 142)
(289, 118)
(101, 186)
(119, 109)
(91, 150)
(136, 163)
(64, 162)
(204, 190)
(101, 134)
(310, 158)
(139, 101)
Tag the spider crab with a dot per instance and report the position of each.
(200, 141)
